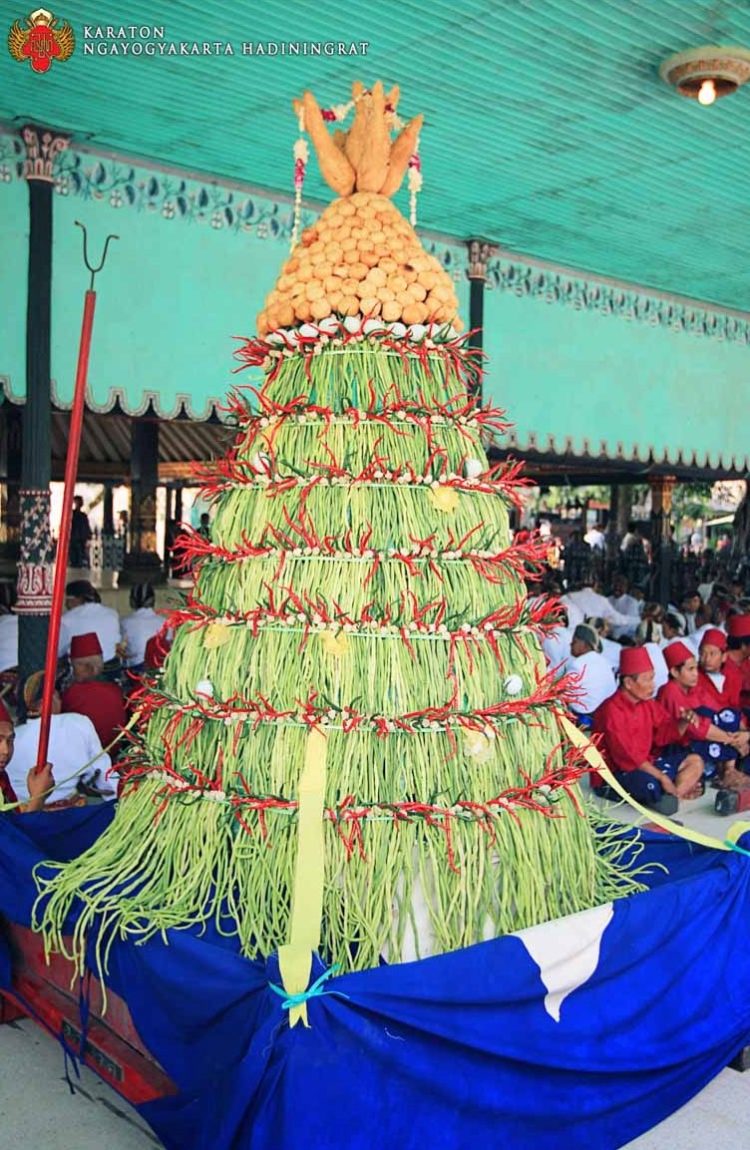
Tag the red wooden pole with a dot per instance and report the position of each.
(63, 542)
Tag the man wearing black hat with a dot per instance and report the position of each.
(597, 681)
(84, 613)
(74, 747)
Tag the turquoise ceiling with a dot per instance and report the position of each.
(547, 127)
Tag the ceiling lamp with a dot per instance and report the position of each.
(705, 74)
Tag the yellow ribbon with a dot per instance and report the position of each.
(444, 498)
(594, 759)
(336, 645)
(216, 635)
(295, 957)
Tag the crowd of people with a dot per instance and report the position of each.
(99, 655)
(666, 689)
(582, 554)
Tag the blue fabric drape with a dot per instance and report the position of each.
(450, 1052)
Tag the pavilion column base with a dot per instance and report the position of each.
(141, 567)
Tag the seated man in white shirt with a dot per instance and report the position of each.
(74, 748)
(597, 680)
(626, 604)
(139, 627)
(85, 613)
(589, 603)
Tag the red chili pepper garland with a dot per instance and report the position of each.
(290, 609)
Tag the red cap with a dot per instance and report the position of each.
(715, 637)
(634, 661)
(83, 646)
(676, 654)
(5, 714)
(738, 626)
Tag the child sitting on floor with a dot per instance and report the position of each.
(712, 737)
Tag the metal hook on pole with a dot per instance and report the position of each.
(94, 271)
(71, 471)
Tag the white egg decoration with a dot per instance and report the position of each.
(261, 463)
(398, 329)
(417, 332)
(473, 468)
(275, 338)
(205, 687)
(308, 331)
(352, 323)
(513, 685)
(329, 325)
(373, 325)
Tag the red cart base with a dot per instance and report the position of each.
(113, 1048)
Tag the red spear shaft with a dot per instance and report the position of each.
(63, 542)
(71, 471)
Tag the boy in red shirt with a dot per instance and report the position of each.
(738, 652)
(714, 738)
(636, 731)
(720, 680)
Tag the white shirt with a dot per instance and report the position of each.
(611, 652)
(137, 629)
(629, 606)
(597, 681)
(104, 621)
(595, 606)
(73, 744)
(8, 642)
(594, 538)
(556, 648)
(661, 670)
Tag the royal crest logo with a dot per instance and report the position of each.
(43, 40)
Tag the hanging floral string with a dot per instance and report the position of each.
(415, 184)
(301, 157)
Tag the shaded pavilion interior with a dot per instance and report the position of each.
(548, 135)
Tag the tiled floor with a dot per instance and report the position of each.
(716, 1118)
(37, 1109)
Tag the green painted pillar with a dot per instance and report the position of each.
(35, 571)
